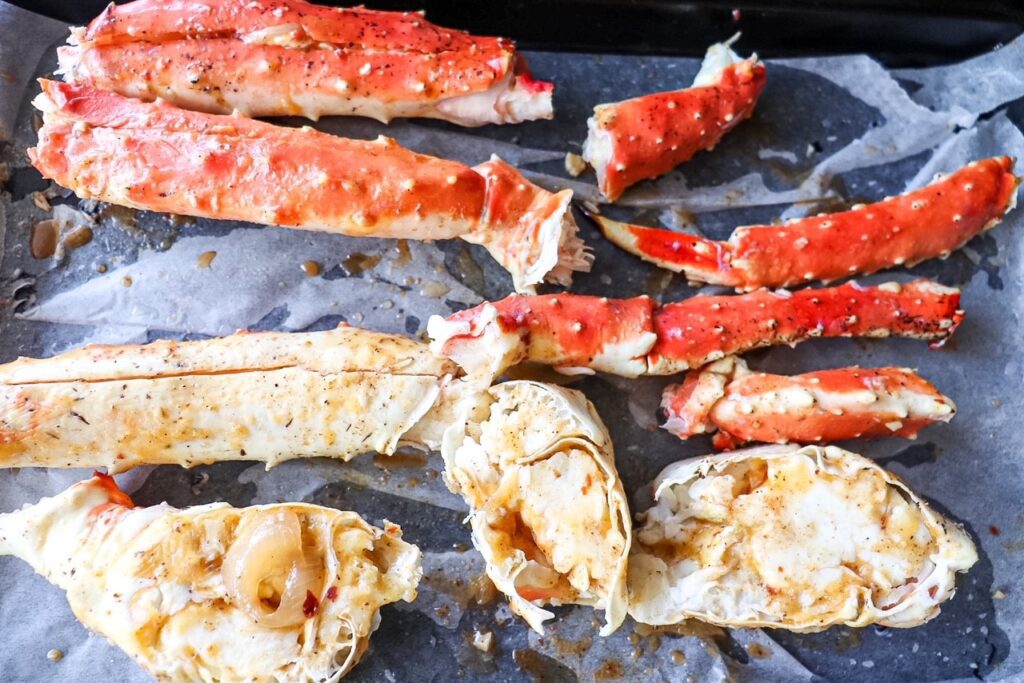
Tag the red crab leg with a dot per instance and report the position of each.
(923, 224)
(631, 337)
(160, 158)
(702, 329)
(825, 406)
(289, 57)
(648, 136)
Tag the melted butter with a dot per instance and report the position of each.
(206, 258)
(434, 290)
(311, 268)
(77, 238)
(404, 254)
(358, 263)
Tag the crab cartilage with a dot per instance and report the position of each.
(631, 337)
(927, 223)
(796, 538)
(157, 157)
(815, 407)
(263, 397)
(290, 57)
(189, 594)
(648, 136)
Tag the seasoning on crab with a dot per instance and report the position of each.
(547, 509)
(737, 405)
(215, 592)
(290, 57)
(927, 223)
(796, 538)
(157, 157)
(648, 136)
(264, 396)
(631, 337)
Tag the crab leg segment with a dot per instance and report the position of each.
(648, 136)
(156, 157)
(923, 224)
(631, 337)
(289, 57)
(702, 329)
(264, 397)
(271, 592)
(830, 405)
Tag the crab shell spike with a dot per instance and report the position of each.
(828, 405)
(264, 396)
(796, 538)
(289, 57)
(159, 158)
(648, 136)
(547, 509)
(923, 224)
(166, 586)
(631, 337)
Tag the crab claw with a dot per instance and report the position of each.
(926, 223)
(648, 136)
(631, 337)
(824, 406)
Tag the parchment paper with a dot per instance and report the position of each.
(828, 132)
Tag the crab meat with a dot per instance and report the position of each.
(926, 223)
(648, 136)
(547, 510)
(824, 406)
(632, 337)
(190, 594)
(157, 157)
(289, 57)
(792, 538)
(253, 396)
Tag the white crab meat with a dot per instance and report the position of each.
(793, 538)
(547, 509)
(213, 593)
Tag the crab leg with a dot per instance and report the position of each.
(926, 223)
(263, 397)
(825, 406)
(289, 57)
(631, 337)
(648, 136)
(156, 157)
(189, 594)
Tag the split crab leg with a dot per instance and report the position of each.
(290, 57)
(796, 538)
(648, 136)
(263, 397)
(157, 157)
(631, 337)
(190, 594)
(738, 405)
(927, 223)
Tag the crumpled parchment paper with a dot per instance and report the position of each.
(827, 133)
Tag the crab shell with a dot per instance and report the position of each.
(814, 536)
(265, 396)
(150, 580)
(289, 57)
(547, 509)
(156, 157)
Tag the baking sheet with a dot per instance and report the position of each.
(827, 133)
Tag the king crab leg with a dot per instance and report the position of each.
(816, 407)
(290, 57)
(156, 157)
(927, 223)
(631, 337)
(648, 136)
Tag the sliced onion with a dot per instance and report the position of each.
(269, 550)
